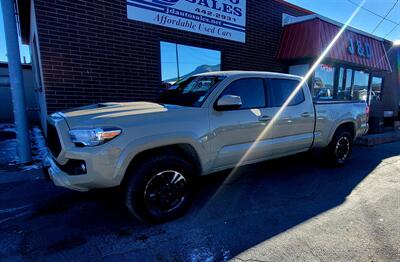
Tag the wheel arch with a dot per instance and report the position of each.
(347, 125)
(184, 150)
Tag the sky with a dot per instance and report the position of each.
(340, 10)
(24, 49)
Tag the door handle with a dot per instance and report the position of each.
(264, 118)
(305, 114)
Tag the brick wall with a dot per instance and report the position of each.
(92, 53)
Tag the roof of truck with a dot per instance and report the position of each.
(249, 74)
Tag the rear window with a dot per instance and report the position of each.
(279, 91)
(250, 90)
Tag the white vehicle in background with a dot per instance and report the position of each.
(204, 124)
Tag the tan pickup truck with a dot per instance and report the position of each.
(203, 124)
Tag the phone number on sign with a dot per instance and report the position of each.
(216, 15)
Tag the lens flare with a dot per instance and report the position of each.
(268, 127)
(298, 87)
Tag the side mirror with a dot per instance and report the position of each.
(228, 102)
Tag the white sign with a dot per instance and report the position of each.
(218, 18)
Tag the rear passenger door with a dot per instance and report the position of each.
(293, 130)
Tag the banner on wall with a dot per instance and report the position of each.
(218, 18)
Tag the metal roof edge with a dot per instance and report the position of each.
(289, 19)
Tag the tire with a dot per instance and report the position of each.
(160, 189)
(340, 148)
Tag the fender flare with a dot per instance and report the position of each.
(338, 124)
(132, 149)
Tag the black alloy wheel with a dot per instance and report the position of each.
(160, 188)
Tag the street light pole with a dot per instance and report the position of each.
(16, 82)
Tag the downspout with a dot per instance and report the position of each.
(16, 82)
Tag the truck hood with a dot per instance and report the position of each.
(112, 112)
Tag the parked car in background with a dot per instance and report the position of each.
(201, 125)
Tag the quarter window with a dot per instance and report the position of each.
(250, 90)
(279, 91)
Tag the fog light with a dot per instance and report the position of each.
(74, 167)
(83, 167)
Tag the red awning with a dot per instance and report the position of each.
(308, 39)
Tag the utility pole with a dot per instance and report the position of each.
(16, 82)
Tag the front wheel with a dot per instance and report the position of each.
(160, 189)
(340, 148)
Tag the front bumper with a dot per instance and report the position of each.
(100, 162)
(62, 179)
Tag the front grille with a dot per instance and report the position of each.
(53, 141)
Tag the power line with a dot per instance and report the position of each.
(383, 19)
(396, 24)
(391, 31)
(372, 12)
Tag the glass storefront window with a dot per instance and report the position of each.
(344, 84)
(376, 88)
(360, 86)
(340, 90)
(323, 82)
(348, 84)
(179, 62)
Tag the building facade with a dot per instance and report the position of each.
(87, 52)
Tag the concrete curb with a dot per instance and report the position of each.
(376, 139)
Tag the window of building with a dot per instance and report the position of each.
(250, 90)
(349, 84)
(324, 82)
(344, 84)
(376, 88)
(279, 91)
(360, 86)
(181, 61)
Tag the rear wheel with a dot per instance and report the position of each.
(340, 148)
(160, 189)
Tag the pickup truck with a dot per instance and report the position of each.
(206, 123)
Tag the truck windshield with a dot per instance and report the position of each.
(192, 91)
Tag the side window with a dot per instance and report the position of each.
(279, 91)
(250, 90)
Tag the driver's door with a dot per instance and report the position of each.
(234, 131)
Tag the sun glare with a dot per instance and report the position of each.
(242, 161)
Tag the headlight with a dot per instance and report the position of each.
(93, 136)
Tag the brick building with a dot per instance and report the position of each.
(94, 51)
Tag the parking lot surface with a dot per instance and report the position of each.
(291, 209)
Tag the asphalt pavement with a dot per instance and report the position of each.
(291, 209)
